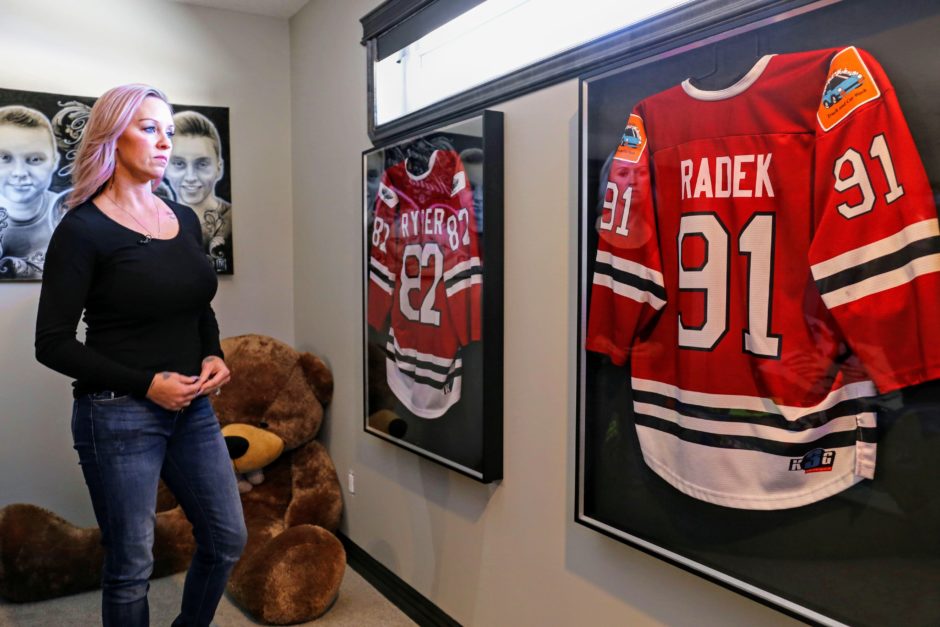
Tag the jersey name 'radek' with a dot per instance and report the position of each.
(740, 176)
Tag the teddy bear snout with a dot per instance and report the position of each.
(251, 448)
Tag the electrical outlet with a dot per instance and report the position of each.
(351, 482)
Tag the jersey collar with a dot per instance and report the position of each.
(421, 177)
(729, 92)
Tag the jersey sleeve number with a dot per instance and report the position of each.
(712, 279)
(380, 233)
(861, 179)
(453, 232)
(610, 204)
(428, 258)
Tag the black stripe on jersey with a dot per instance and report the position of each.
(460, 276)
(414, 361)
(382, 278)
(839, 439)
(847, 407)
(434, 383)
(628, 278)
(893, 261)
(452, 375)
(867, 434)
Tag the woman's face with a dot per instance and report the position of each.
(143, 149)
(194, 169)
(28, 159)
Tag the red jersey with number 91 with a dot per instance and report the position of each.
(768, 261)
(425, 280)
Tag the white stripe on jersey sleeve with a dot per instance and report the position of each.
(472, 262)
(381, 276)
(462, 285)
(378, 281)
(861, 389)
(636, 269)
(885, 246)
(475, 278)
(628, 291)
(882, 282)
(378, 265)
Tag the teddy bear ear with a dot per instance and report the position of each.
(318, 376)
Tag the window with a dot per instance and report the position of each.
(492, 40)
(430, 61)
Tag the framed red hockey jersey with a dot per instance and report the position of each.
(768, 261)
(432, 274)
(425, 278)
(758, 377)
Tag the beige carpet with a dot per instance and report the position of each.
(359, 605)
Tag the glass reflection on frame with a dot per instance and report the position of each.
(432, 255)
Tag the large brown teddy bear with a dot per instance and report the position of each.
(292, 566)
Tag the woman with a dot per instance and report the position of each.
(28, 160)
(195, 167)
(134, 264)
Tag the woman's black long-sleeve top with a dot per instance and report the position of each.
(147, 305)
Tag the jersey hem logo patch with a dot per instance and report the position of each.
(817, 460)
(633, 140)
(849, 85)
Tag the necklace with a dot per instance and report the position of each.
(148, 236)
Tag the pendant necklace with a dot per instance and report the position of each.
(148, 236)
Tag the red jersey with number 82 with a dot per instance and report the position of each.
(768, 261)
(425, 280)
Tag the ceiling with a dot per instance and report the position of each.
(275, 8)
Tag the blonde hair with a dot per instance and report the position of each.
(94, 164)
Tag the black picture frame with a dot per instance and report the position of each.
(866, 556)
(439, 299)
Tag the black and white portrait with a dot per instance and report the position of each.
(28, 208)
(38, 133)
(39, 136)
(197, 177)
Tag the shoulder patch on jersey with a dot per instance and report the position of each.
(849, 85)
(459, 183)
(633, 140)
(388, 195)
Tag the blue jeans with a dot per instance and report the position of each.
(125, 445)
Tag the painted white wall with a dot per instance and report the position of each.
(505, 554)
(197, 56)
